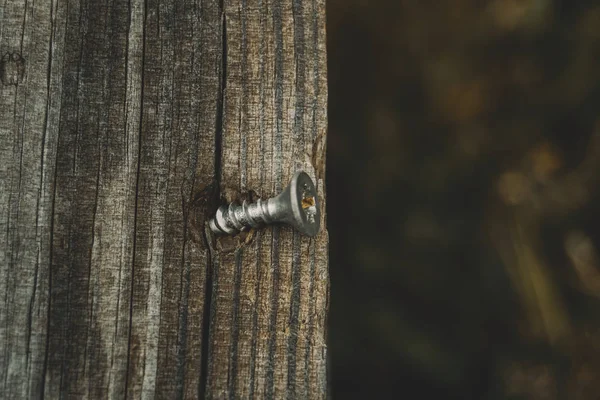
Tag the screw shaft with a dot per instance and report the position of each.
(236, 218)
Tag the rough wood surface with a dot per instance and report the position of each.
(267, 337)
(120, 125)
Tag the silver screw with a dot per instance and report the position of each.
(297, 206)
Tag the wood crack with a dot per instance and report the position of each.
(137, 181)
(208, 312)
(220, 122)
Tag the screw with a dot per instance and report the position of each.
(297, 206)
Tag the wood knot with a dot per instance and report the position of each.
(12, 68)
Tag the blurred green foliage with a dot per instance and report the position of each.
(463, 204)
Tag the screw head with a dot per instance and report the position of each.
(305, 204)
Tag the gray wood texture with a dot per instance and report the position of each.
(123, 125)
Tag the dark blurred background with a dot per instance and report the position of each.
(463, 202)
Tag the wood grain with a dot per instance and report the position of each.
(130, 118)
(267, 337)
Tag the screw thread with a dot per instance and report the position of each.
(236, 218)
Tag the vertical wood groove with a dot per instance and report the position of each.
(270, 373)
(235, 326)
(292, 342)
(253, 347)
(137, 180)
(278, 145)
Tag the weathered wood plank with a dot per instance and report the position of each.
(112, 145)
(95, 200)
(181, 93)
(267, 336)
(106, 147)
(28, 138)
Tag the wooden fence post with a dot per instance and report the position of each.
(122, 124)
